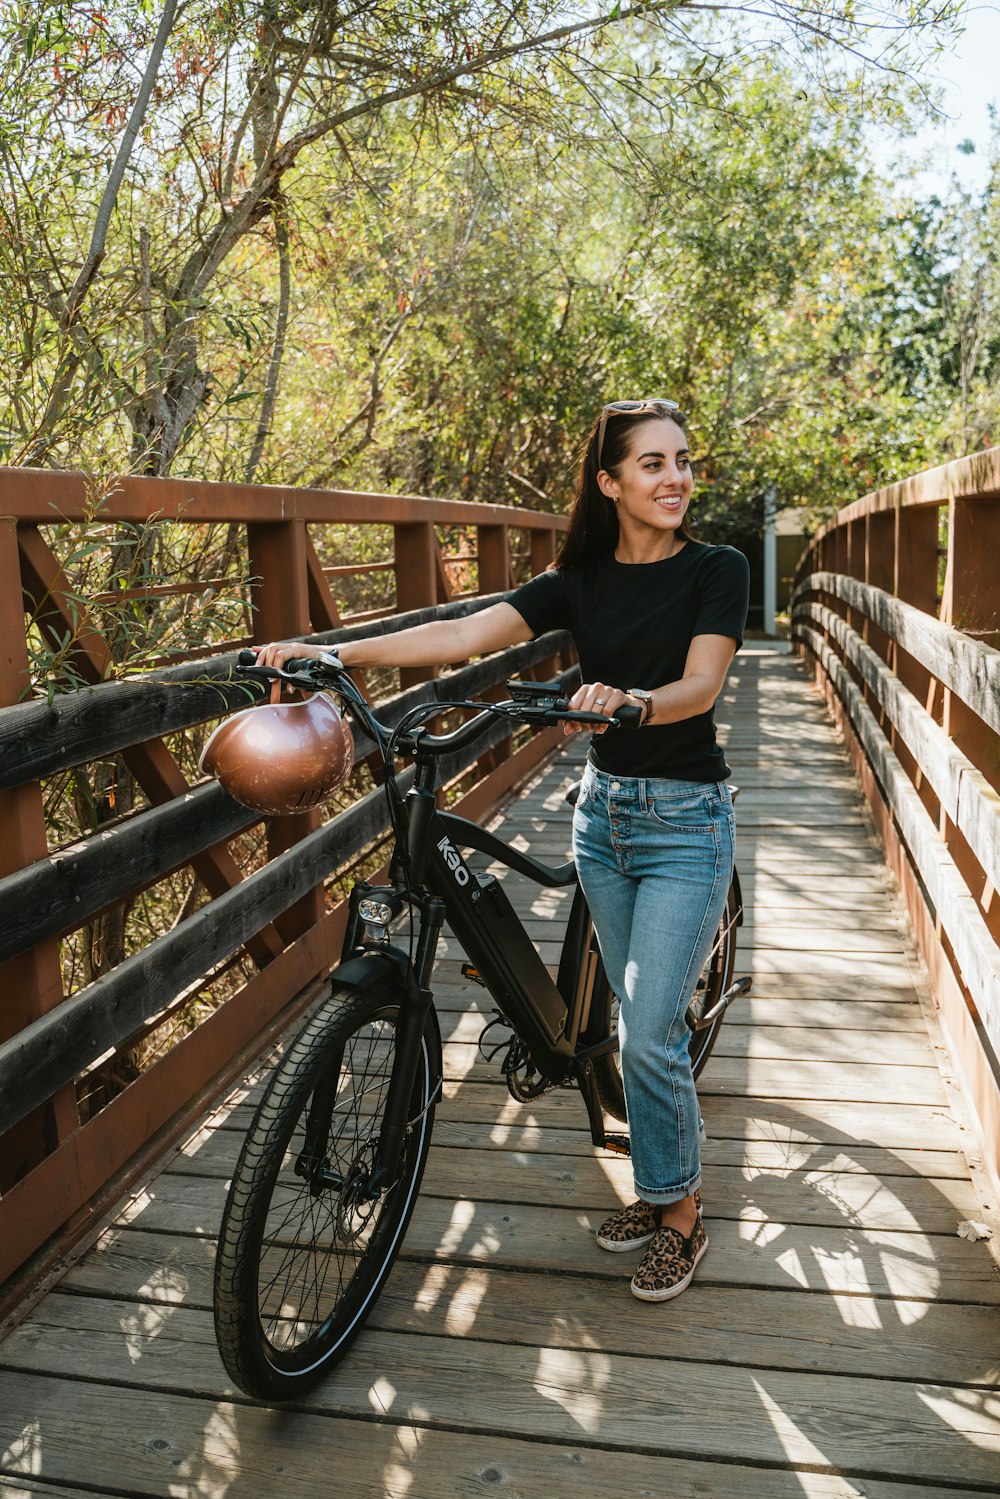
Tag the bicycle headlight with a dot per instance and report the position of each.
(375, 912)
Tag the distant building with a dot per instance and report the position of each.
(785, 535)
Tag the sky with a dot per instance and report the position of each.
(970, 77)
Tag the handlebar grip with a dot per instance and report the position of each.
(246, 658)
(628, 717)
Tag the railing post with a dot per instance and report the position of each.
(280, 599)
(915, 582)
(970, 603)
(854, 563)
(494, 559)
(31, 984)
(493, 552)
(416, 552)
(543, 551)
(879, 571)
(836, 561)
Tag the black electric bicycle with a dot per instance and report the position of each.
(331, 1165)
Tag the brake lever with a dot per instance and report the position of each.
(246, 665)
(626, 717)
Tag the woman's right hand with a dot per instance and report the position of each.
(287, 650)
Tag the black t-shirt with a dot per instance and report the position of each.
(633, 623)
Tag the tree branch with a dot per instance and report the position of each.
(254, 203)
(110, 195)
(278, 348)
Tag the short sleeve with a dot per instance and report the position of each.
(543, 602)
(723, 595)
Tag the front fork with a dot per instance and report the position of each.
(413, 1016)
(414, 1010)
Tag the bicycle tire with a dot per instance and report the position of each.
(713, 981)
(302, 1259)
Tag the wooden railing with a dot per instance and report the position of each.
(897, 603)
(277, 926)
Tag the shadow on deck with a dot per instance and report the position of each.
(840, 1339)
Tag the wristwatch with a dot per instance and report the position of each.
(646, 698)
(331, 658)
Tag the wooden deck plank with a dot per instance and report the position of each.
(912, 1203)
(242, 1450)
(831, 1332)
(748, 1155)
(664, 1405)
(840, 1340)
(456, 1003)
(895, 1047)
(848, 1123)
(755, 1250)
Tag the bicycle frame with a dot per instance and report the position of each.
(350, 1108)
(550, 1017)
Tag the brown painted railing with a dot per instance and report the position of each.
(897, 603)
(280, 921)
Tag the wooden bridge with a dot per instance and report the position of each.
(841, 1338)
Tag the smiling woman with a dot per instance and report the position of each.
(653, 828)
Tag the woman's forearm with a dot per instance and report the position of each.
(685, 698)
(439, 643)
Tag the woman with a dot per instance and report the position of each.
(657, 618)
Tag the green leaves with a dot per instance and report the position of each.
(470, 268)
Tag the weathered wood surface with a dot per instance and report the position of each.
(57, 894)
(38, 738)
(56, 1047)
(840, 1339)
(963, 791)
(970, 668)
(107, 1013)
(958, 912)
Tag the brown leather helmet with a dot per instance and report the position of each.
(281, 757)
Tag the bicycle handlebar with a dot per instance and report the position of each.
(311, 675)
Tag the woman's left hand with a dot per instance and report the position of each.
(595, 697)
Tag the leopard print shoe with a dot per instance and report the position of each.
(667, 1267)
(632, 1227)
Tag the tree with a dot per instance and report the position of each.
(126, 276)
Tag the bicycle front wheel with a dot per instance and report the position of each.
(305, 1247)
(713, 981)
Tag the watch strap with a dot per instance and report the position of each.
(646, 698)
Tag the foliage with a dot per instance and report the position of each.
(158, 164)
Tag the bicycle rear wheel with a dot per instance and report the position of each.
(304, 1249)
(713, 981)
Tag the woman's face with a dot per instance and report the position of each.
(652, 489)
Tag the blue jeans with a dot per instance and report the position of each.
(656, 859)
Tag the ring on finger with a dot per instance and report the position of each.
(600, 701)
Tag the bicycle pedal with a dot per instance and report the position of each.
(620, 1144)
(470, 971)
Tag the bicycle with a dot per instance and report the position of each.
(332, 1162)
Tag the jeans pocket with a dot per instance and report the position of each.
(688, 812)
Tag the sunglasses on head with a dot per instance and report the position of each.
(631, 408)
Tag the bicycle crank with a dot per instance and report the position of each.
(735, 991)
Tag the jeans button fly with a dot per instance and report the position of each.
(616, 785)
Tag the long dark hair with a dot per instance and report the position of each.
(593, 522)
